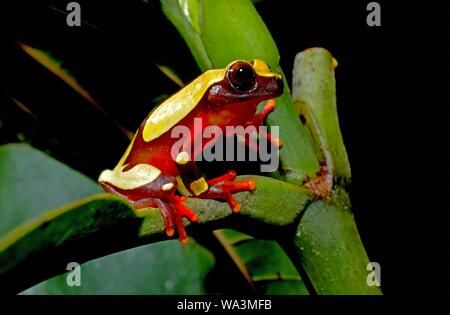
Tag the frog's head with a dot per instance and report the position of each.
(244, 81)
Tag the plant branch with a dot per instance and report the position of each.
(327, 247)
(314, 96)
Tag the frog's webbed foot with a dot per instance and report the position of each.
(173, 211)
(223, 187)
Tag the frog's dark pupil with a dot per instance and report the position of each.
(244, 74)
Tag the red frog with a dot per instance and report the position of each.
(148, 175)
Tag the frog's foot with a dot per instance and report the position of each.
(223, 187)
(173, 212)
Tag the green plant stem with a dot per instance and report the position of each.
(314, 96)
(327, 247)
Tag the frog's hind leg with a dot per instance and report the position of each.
(181, 211)
(159, 193)
(164, 207)
(173, 211)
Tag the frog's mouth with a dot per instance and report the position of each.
(267, 87)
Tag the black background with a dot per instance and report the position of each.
(391, 83)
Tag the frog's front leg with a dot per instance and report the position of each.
(223, 187)
(191, 183)
(256, 121)
(145, 187)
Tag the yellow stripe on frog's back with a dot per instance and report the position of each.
(178, 106)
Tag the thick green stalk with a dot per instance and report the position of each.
(314, 95)
(326, 244)
(327, 247)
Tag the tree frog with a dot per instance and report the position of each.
(148, 175)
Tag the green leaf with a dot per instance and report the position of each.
(161, 268)
(231, 30)
(31, 183)
(103, 224)
(234, 30)
(191, 11)
(177, 16)
(269, 268)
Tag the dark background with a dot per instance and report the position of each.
(391, 82)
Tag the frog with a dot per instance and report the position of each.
(150, 175)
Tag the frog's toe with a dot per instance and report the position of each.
(224, 187)
(180, 211)
(173, 212)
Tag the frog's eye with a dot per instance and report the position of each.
(241, 76)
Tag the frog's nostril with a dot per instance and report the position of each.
(280, 86)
